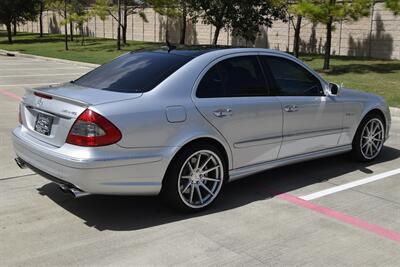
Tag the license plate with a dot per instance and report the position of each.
(43, 124)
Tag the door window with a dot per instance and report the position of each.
(234, 77)
(292, 79)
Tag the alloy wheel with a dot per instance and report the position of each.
(372, 138)
(200, 179)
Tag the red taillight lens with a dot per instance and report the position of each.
(92, 129)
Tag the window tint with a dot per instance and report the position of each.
(133, 72)
(292, 79)
(234, 77)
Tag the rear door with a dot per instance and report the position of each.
(234, 97)
(312, 120)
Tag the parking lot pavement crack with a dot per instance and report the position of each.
(376, 196)
(238, 252)
(16, 177)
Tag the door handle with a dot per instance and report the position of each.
(291, 108)
(223, 112)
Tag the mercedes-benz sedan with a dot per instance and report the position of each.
(183, 123)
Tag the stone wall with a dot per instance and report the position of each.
(376, 36)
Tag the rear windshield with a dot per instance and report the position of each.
(134, 72)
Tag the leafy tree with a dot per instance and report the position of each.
(61, 6)
(13, 12)
(182, 9)
(330, 11)
(42, 6)
(104, 8)
(168, 8)
(131, 7)
(243, 18)
(78, 13)
(295, 10)
(393, 5)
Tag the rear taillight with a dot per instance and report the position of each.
(92, 129)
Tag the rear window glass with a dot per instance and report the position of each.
(134, 72)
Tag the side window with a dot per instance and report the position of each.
(211, 85)
(292, 79)
(234, 77)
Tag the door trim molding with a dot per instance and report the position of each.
(259, 142)
(310, 134)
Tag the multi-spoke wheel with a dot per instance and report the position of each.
(195, 177)
(369, 138)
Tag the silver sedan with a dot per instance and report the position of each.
(182, 123)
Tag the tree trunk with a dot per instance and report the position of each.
(167, 30)
(119, 26)
(9, 33)
(125, 22)
(124, 34)
(15, 26)
(296, 43)
(82, 34)
(216, 35)
(328, 44)
(71, 30)
(41, 18)
(65, 26)
(184, 22)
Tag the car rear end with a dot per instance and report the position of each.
(68, 142)
(65, 135)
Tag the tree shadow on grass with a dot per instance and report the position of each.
(365, 68)
(124, 213)
(49, 39)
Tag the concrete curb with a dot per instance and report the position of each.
(18, 54)
(395, 112)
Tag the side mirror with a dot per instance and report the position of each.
(335, 89)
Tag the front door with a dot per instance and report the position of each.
(312, 121)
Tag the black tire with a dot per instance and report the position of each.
(170, 189)
(357, 152)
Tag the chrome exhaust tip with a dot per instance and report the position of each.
(75, 192)
(21, 163)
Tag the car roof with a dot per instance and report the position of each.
(198, 50)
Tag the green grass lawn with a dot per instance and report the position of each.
(95, 50)
(377, 76)
(381, 77)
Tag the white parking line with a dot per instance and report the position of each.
(343, 187)
(40, 75)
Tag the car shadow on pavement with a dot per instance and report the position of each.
(124, 213)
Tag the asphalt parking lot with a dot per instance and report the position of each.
(326, 212)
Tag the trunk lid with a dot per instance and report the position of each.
(48, 113)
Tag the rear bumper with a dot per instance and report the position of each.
(102, 170)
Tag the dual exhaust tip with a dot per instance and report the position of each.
(21, 164)
(75, 192)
